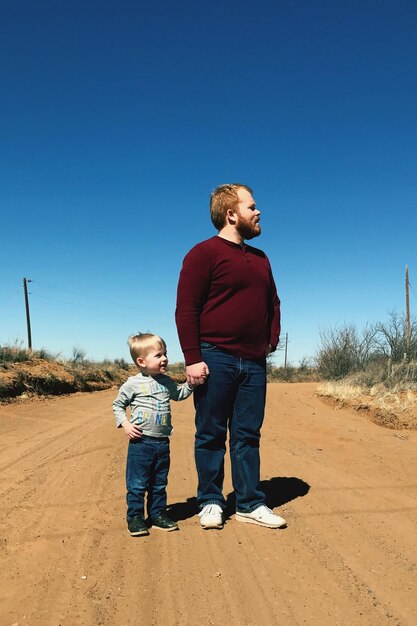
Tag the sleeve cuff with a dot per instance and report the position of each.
(192, 356)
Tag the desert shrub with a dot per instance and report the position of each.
(122, 364)
(291, 374)
(82, 374)
(390, 337)
(78, 355)
(343, 350)
(44, 354)
(374, 356)
(81, 380)
(13, 354)
(305, 364)
(112, 372)
(16, 354)
(88, 378)
(284, 374)
(338, 354)
(375, 371)
(109, 373)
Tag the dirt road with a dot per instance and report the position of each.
(346, 486)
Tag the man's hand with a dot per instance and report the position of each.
(132, 430)
(197, 373)
(268, 350)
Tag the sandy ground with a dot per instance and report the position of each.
(346, 486)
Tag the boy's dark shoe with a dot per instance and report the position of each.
(164, 523)
(137, 526)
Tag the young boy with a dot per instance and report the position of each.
(148, 395)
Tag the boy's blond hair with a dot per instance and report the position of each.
(142, 343)
(222, 199)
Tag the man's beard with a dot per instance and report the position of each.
(248, 230)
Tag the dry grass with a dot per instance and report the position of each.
(394, 408)
(342, 391)
(397, 399)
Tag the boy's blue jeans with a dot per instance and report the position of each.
(147, 469)
(233, 397)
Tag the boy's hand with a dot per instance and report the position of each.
(197, 373)
(132, 430)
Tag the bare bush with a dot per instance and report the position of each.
(370, 357)
(78, 355)
(343, 351)
(390, 337)
(305, 363)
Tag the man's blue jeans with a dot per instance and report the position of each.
(233, 397)
(147, 469)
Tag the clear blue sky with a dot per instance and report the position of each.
(118, 119)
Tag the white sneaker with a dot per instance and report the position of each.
(263, 516)
(211, 516)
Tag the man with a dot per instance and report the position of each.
(228, 320)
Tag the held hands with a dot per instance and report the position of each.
(197, 373)
(132, 430)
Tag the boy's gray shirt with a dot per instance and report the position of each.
(148, 398)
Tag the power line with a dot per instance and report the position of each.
(83, 306)
(89, 297)
(16, 295)
(75, 293)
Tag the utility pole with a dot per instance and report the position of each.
(25, 288)
(286, 350)
(407, 315)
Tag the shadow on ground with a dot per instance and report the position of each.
(278, 491)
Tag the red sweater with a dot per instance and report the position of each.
(227, 296)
